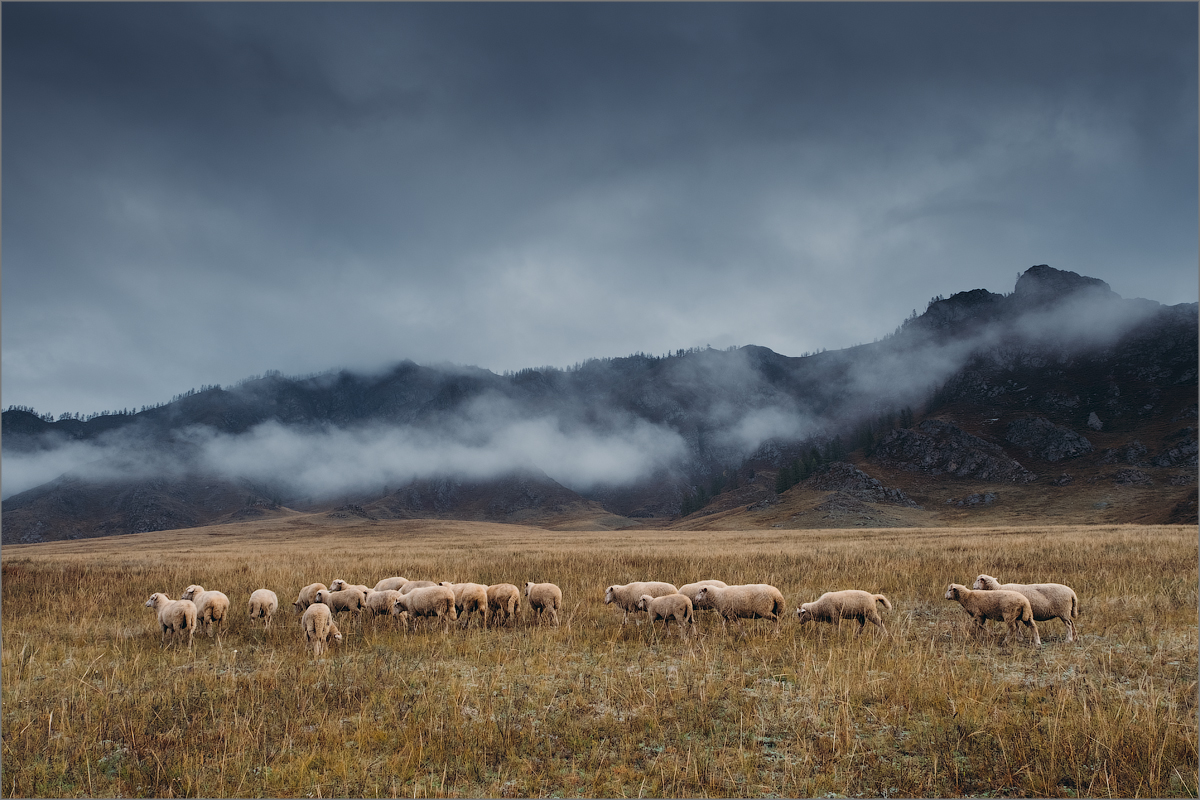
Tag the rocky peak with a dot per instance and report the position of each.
(1043, 285)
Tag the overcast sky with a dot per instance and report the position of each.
(193, 194)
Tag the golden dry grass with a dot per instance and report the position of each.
(93, 706)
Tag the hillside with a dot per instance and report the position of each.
(1060, 400)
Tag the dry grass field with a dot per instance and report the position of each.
(92, 705)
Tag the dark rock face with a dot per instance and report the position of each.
(1134, 453)
(936, 447)
(849, 480)
(985, 499)
(1131, 477)
(1042, 284)
(1041, 438)
(1181, 455)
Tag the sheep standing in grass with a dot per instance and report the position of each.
(378, 603)
(504, 600)
(428, 601)
(1048, 600)
(544, 597)
(690, 590)
(307, 596)
(175, 616)
(212, 607)
(999, 604)
(263, 605)
(351, 600)
(340, 585)
(319, 627)
(847, 604)
(627, 596)
(468, 599)
(668, 607)
(749, 601)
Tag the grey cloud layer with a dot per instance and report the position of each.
(195, 193)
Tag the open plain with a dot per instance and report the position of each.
(93, 705)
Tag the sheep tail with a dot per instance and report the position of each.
(779, 608)
(881, 599)
(1075, 607)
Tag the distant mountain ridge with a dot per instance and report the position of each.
(1062, 347)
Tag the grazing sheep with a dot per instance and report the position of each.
(390, 583)
(351, 600)
(468, 598)
(626, 597)
(263, 605)
(319, 627)
(997, 604)
(666, 607)
(211, 607)
(1048, 600)
(428, 601)
(690, 590)
(307, 596)
(504, 599)
(749, 601)
(409, 586)
(544, 597)
(380, 602)
(846, 604)
(175, 616)
(339, 585)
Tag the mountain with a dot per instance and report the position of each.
(1060, 377)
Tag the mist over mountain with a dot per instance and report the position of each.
(636, 437)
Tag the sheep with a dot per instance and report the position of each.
(428, 601)
(175, 616)
(469, 597)
(351, 600)
(380, 602)
(749, 601)
(666, 607)
(504, 599)
(263, 605)
(627, 596)
(544, 597)
(307, 595)
(211, 607)
(339, 584)
(409, 586)
(846, 604)
(390, 583)
(998, 604)
(690, 591)
(1048, 600)
(319, 627)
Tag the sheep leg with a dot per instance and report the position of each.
(1037, 640)
(1070, 628)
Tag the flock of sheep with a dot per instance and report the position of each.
(404, 599)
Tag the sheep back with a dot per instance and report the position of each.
(748, 601)
(667, 607)
(504, 599)
(544, 597)
(263, 605)
(1047, 600)
(846, 604)
(307, 596)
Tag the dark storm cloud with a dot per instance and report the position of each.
(199, 192)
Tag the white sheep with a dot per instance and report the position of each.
(1048, 600)
(504, 599)
(390, 583)
(748, 601)
(846, 604)
(690, 590)
(668, 607)
(627, 596)
(409, 586)
(544, 597)
(339, 585)
(175, 616)
(307, 596)
(351, 600)
(998, 604)
(263, 605)
(319, 627)
(469, 598)
(212, 607)
(380, 602)
(428, 601)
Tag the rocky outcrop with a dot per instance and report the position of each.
(936, 447)
(849, 480)
(1041, 438)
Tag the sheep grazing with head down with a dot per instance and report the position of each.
(174, 616)
(627, 596)
(544, 597)
(1048, 600)
(319, 627)
(307, 596)
(378, 603)
(468, 599)
(263, 605)
(1000, 605)
(351, 600)
(504, 602)
(212, 607)
(428, 601)
(668, 607)
(846, 604)
(749, 601)
(690, 590)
